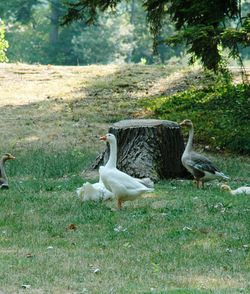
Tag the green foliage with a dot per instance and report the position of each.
(203, 44)
(111, 39)
(20, 10)
(203, 27)
(37, 35)
(120, 37)
(3, 44)
(220, 114)
(86, 9)
(121, 32)
(232, 37)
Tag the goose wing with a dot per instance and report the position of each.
(120, 181)
(202, 163)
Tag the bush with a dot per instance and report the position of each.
(3, 44)
(220, 114)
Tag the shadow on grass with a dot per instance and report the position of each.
(77, 117)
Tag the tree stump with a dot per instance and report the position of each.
(147, 148)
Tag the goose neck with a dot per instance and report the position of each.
(2, 170)
(189, 145)
(113, 154)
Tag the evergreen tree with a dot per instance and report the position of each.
(205, 26)
(120, 37)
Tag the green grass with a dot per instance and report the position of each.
(182, 241)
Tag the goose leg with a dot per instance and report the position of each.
(4, 186)
(199, 184)
(119, 203)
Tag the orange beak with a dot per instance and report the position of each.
(103, 138)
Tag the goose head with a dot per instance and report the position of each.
(186, 123)
(108, 138)
(225, 188)
(8, 156)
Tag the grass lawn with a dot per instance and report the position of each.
(179, 240)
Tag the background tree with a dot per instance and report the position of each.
(20, 10)
(36, 36)
(205, 26)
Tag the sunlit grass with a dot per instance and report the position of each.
(71, 106)
(193, 240)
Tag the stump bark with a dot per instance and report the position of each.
(147, 148)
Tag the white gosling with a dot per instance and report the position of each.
(239, 191)
(97, 191)
(94, 192)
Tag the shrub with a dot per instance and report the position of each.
(3, 44)
(220, 114)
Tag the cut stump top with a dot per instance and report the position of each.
(140, 123)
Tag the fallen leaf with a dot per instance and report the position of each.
(204, 230)
(96, 271)
(29, 255)
(186, 228)
(119, 229)
(127, 245)
(26, 286)
(72, 227)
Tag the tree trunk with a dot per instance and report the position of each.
(132, 13)
(147, 148)
(54, 22)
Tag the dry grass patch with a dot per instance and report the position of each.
(71, 106)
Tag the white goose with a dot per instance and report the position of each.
(122, 185)
(239, 191)
(97, 191)
(198, 165)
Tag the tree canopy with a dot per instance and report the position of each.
(20, 10)
(122, 31)
(205, 26)
(35, 35)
